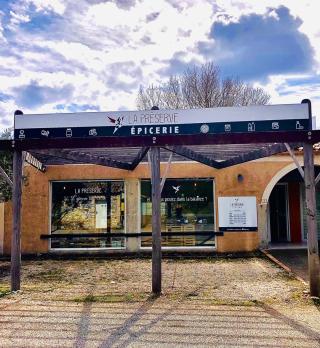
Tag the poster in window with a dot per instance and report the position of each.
(101, 214)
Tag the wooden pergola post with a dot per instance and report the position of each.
(16, 202)
(313, 252)
(156, 219)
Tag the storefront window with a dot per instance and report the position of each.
(87, 207)
(186, 206)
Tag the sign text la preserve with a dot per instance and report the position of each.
(152, 118)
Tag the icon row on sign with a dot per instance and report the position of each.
(204, 129)
(92, 132)
(251, 127)
(45, 133)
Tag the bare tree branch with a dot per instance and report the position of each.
(200, 87)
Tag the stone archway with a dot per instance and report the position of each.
(263, 208)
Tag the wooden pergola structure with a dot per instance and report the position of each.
(218, 150)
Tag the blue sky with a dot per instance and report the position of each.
(93, 55)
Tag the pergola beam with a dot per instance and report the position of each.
(295, 160)
(6, 177)
(253, 155)
(139, 157)
(82, 157)
(164, 177)
(194, 156)
(170, 140)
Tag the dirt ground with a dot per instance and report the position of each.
(242, 287)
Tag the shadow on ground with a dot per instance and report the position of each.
(151, 323)
(221, 303)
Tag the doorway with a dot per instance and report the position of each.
(278, 205)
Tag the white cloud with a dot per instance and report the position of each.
(306, 10)
(57, 6)
(2, 38)
(283, 92)
(17, 18)
(105, 51)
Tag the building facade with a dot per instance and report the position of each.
(64, 207)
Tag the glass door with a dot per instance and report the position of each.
(278, 204)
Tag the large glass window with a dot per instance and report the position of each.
(186, 206)
(87, 207)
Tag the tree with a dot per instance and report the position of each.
(200, 87)
(6, 164)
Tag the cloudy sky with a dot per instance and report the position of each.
(92, 55)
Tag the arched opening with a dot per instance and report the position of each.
(286, 208)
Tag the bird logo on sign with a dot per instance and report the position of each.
(176, 189)
(117, 122)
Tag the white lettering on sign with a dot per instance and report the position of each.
(182, 199)
(88, 190)
(154, 130)
(34, 162)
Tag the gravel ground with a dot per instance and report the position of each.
(238, 279)
(107, 303)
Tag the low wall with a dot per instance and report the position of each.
(238, 242)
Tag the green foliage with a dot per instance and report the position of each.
(6, 164)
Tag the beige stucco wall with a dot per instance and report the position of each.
(36, 197)
(7, 228)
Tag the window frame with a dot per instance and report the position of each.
(182, 247)
(88, 248)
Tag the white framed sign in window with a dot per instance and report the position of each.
(238, 213)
